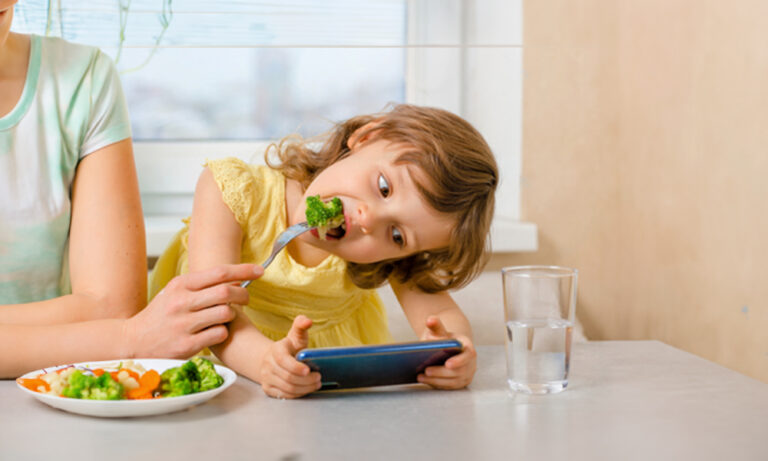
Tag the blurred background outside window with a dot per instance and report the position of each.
(238, 70)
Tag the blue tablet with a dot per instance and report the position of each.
(379, 365)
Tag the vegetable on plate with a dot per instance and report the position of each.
(128, 380)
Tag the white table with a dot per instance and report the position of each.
(627, 400)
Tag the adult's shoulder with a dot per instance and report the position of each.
(65, 56)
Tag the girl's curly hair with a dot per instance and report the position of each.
(461, 173)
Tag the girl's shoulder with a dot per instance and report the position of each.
(248, 190)
(233, 169)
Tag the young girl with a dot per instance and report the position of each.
(417, 186)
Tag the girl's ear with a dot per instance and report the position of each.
(363, 134)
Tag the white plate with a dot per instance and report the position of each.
(122, 408)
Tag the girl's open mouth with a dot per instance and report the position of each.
(338, 232)
(333, 233)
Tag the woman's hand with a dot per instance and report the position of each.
(281, 375)
(457, 372)
(189, 313)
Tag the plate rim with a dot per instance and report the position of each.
(176, 403)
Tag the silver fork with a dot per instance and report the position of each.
(281, 241)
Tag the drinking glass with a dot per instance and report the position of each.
(540, 311)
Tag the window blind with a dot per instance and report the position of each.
(226, 24)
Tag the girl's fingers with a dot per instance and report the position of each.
(282, 391)
(298, 336)
(291, 390)
(436, 327)
(461, 359)
(210, 316)
(221, 274)
(288, 362)
(277, 392)
(443, 372)
(310, 379)
(444, 383)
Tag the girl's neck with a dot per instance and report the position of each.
(294, 194)
(301, 252)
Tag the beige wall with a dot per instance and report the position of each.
(645, 164)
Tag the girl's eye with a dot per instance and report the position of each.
(383, 186)
(397, 237)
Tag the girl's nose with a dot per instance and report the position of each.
(364, 218)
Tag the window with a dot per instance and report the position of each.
(212, 79)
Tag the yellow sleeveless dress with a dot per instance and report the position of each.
(342, 313)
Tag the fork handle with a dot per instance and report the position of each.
(282, 240)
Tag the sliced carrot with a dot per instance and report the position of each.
(33, 384)
(148, 382)
(150, 379)
(98, 372)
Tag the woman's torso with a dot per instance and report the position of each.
(71, 105)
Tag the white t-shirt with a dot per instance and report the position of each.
(71, 106)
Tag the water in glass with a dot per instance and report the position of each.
(538, 355)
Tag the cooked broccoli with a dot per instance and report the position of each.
(324, 216)
(179, 380)
(195, 375)
(209, 379)
(83, 386)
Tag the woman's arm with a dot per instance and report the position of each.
(107, 253)
(185, 317)
(437, 316)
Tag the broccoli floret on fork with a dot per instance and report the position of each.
(324, 216)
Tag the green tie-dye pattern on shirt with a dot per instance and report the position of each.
(72, 105)
(35, 252)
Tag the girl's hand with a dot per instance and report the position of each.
(457, 372)
(189, 313)
(283, 376)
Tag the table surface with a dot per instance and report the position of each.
(626, 400)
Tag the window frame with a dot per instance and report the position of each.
(433, 25)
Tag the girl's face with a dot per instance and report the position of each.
(385, 215)
(6, 15)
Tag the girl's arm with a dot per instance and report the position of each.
(107, 254)
(418, 306)
(215, 237)
(437, 316)
(186, 316)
